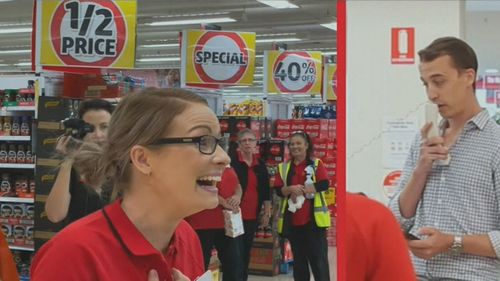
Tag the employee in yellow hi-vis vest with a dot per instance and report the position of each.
(304, 215)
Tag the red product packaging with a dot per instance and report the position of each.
(276, 151)
(224, 124)
(316, 125)
(298, 125)
(317, 134)
(319, 153)
(320, 144)
(283, 125)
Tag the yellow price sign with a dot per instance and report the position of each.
(89, 33)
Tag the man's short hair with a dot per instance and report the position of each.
(462, 55)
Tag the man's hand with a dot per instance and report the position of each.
(435, 243)
(430, 150)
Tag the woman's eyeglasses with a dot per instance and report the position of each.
(207, 144)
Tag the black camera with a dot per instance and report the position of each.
(77, 128)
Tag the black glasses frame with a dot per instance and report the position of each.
(189, 140)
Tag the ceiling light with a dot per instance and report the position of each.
(329, 53)
(5, 1)
(23, 64)
(3, 64)
(191, 21)
(332, 25)
(278, 4)
(15, 30)
(160, 45)
(231, 91)
(258, 75)
(288, 39)
(15, 52)
(159, 59)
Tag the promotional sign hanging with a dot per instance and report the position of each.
(330, 82)
(391, 182)
(88, 33)
(297, 72)
(403, 45)
(217, 57)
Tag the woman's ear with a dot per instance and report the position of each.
(140, 158)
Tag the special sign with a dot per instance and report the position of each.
(88, 33)
(218, 57)
(292, 72)
(330, 82)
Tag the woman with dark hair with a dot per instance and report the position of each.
(71, 197)
(303, 214)
(143, 232)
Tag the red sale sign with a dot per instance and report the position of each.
(403, 45)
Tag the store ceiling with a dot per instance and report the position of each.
(250, 15)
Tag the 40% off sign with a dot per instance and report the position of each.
(296, 72)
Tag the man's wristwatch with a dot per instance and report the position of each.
(457, 246)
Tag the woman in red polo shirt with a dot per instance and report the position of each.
(306, 226)
(254, 179)
(163, 156)
(209, 225)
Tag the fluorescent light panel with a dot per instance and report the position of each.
(15, 52)
(278, 4)
(289, 39)
(15, 30)
(160, 45)
(329, 53)
(192, 21)
(23, 64)
(159, 59)
(332, 25)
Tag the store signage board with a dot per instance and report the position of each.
(403, 45)
(88, 33)
(292, 72)
(217, 57)
(330, 82)
(391, 183)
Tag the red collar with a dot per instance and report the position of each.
(254, 159)
(135, 242)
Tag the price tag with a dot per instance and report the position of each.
(88, 33)
(293, 72)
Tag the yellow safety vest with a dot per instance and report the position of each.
(321, 212)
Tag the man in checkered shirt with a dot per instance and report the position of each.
(453, 209)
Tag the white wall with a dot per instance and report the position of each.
(378, 89)
(482, 33)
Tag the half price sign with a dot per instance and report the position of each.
(88, 33)
(292, 72)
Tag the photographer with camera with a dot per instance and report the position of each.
(70, 197)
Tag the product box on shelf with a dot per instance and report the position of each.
(276, 151)
(7, 232)
(224, 124)
(298, 125)
(264, 261)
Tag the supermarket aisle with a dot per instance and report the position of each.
(332, 258)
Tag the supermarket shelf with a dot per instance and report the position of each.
(17, 200)
(15, 138)
(17, 166)
(18, 108)
(21, 248)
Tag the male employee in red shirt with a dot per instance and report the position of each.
(209, 225)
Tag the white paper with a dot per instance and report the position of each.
(397, 137)
(207, 276)
(233, 223)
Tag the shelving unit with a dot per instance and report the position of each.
(18, 248)
(17, 200)
(16, 166)
(15, 138)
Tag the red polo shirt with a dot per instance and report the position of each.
(303, 215)
(89, 250)
(250, 198)
(213, 218)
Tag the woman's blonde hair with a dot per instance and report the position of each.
(139, 119)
